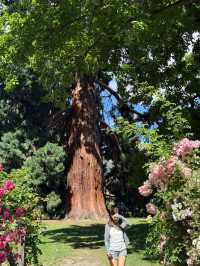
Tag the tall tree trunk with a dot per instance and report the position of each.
(85, 175)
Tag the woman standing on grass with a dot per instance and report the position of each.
(116, 240)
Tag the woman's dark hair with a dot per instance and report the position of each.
(113, 211)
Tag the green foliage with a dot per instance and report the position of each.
(175, 124)
(9, 116)
(143, 144)
(23, 121)
(156, 140)
(47, 174)
(23, 130)
(47, 165)
(162, 52)
(59, 57)
(25, 108)
(132, 157)
(153, 240)
(14, 148)
(29, 200)
(53, 201)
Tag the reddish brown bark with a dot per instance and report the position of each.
(85, 175)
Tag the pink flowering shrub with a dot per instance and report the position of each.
(175, 186)
(8, 185)
(16, 225)
(185, 147)
(146, 189)
(151, 208)
(10, 236)
(159, 175)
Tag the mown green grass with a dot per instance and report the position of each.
(62, 239)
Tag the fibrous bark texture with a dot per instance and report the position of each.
(85, 175)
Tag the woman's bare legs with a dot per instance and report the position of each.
(121, 261)
(113, 262)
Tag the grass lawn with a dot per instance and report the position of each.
(64, 240)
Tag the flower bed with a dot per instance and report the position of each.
(18, 233)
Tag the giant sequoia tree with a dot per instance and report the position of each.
(73, 46)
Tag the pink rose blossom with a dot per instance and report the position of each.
(146, 189)
(10, 237)
(157, 175)
(7, 215)
(9, 185)
(195, 143)
(151, 208)
(2, 244)
(19, 212)
(185, 147)
(170, 165)
(186, 172)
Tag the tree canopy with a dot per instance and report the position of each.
(145, 41)
(60, 40)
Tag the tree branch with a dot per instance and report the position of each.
(112, 136)
(108, 88)
(123, 104)
(177, 3)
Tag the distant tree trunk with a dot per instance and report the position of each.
(85, 175)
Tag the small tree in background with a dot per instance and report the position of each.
(14, 149)
(47, 176)
(24, 129)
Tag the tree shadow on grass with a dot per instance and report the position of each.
(77, 236)
(137, 236)
(92, 236)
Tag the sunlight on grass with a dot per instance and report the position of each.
(68, 239)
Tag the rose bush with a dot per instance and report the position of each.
(175, 227)
(19, 228)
